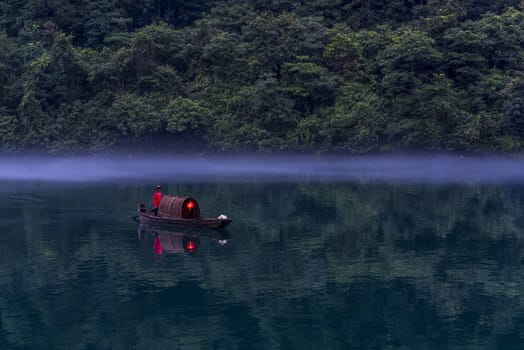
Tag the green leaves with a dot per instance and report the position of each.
(9, 138)
(135, 115)
(345, 76)
(513, 105)
(272, 40)
(359, 121)
(103, 19)
(183, 114)
(410, 51)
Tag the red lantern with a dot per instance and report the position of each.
(190, 205)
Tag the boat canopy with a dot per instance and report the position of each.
(183, 207)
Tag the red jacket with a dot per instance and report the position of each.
(157, 197)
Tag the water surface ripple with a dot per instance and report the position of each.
(304, 265)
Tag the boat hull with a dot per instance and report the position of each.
(150, 218)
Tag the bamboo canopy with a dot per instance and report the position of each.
(183, 207)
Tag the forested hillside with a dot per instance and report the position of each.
(349, 76)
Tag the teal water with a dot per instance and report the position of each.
(304, 265)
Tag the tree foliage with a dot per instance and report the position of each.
(318, 76)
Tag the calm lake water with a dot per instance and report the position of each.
(304, 265)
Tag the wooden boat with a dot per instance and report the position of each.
(179, 211)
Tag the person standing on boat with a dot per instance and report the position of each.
(157, 197)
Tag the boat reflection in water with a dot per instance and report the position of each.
(180, 241)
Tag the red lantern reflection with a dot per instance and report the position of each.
(191, 246)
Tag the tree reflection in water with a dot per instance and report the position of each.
(311, 265)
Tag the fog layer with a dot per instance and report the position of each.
(429, 168)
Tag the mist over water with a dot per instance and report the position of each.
(396, 168)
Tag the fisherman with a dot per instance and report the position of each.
(157, 197)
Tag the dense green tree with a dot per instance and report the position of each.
(358, 122)
(505, 39)
(308, 83)
(183, 114)
(51, 78)
(474, 9)
(230, 16)
(102, 20)
(265, 115)
(323, 75)
(422, 104)
(9, 139)
(272, 41)
(465, 60)
(354, 55)
(223, 58)
(8, 73)
(362, 14)
(176, 12)
(513, 105)
(134, 115)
